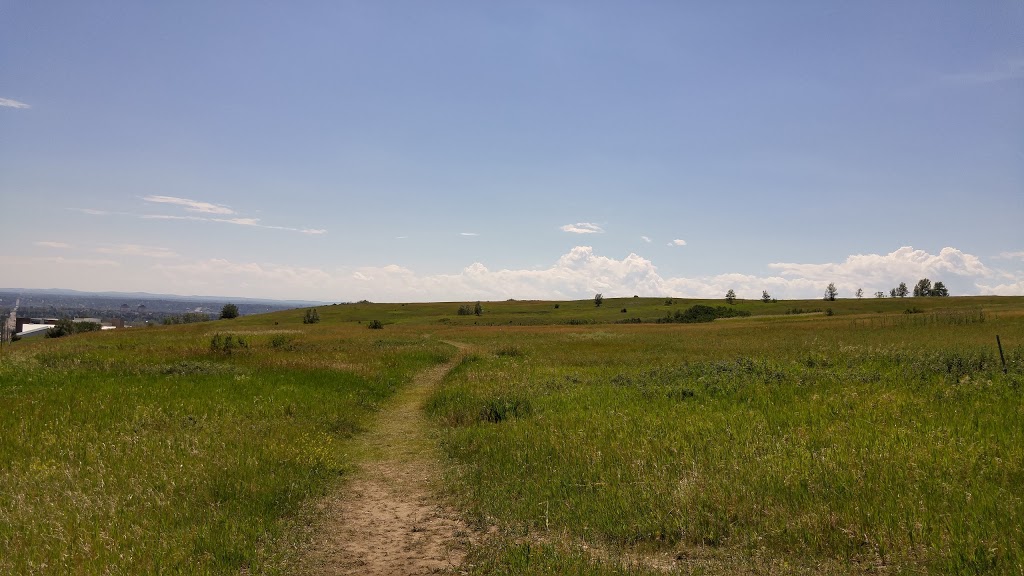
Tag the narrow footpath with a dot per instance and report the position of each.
(386, 520)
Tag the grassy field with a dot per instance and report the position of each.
(867, 440)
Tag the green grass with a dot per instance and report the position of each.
(142, 451)
(854, 445)
(779, 443)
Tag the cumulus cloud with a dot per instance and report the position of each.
(677, 242)
(883, 269)
(583, 228)
(577, 274)
(8, 103)
(191, 205)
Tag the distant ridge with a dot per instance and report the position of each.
(150, 296)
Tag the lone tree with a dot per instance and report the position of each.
(598, 299)
(831, 291)
(923, 287)
(859, 293)
(765, 297)
(730, 296)
(478, 309)
(228, 311)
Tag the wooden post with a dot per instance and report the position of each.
(1001, 357)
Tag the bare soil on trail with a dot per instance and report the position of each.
(387, 520)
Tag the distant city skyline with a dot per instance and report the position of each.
(339, 151)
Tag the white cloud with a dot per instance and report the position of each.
(191, 205)
(677, 242)
(468, 234)
(645, 239)
(138, 250)
(583, 228)
(91, 211)
(1011, 255)
(8, 103)
(884, 269)
(46, 244)
(577, 274)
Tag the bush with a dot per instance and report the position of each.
(66, 327)
(375, 325)
(312, 316)
(702, 313)
(465, 310)
(228, 312)
(227, 343)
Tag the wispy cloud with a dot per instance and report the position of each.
(91, 211)
(8, 103)
(46, 244)
(1008, 70)
(253, 222)
(1011, 255)
(138, 250)
(191, 205)
(677, 242)
(468, 234)
(583, 228)
(646, 239)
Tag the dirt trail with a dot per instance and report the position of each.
(386, 520)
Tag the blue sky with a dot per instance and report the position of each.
(464, 150)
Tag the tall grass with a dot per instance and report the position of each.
(897, 447)
(146, 452)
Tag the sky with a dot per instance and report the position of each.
(424, 151)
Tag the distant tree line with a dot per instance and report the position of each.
(186, 318)
(924, 287)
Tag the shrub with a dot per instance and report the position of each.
(312, 316)
(375, 325)
(702, 313)
(227, 343)
(229, 311)
(465, 310)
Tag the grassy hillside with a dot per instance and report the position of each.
(866, 440)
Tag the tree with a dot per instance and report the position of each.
(879, 294)
(478, 309)
(730, 296)
(940, 289)
(831, 291)
(229, 311)
(901, 290)
(312, 316)
(765, 297)
(923, 287)
(860, 293)
(598, 299)
(892, 293)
